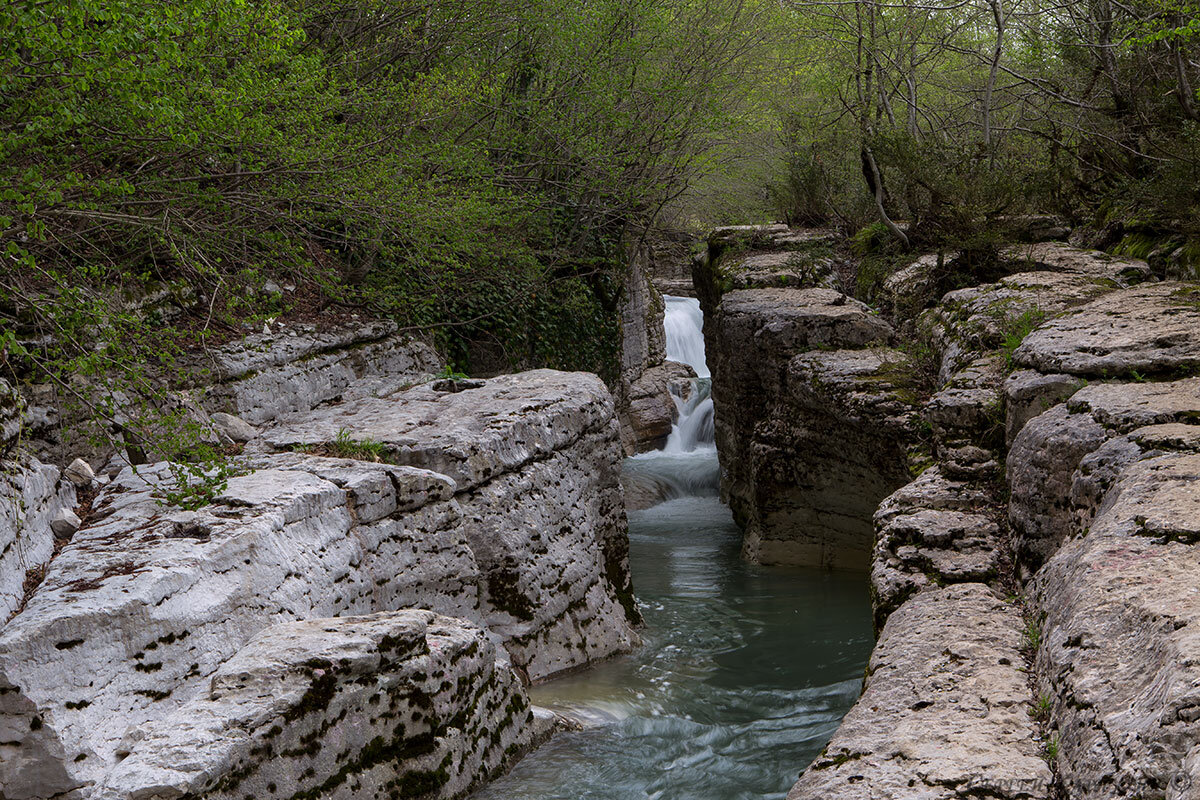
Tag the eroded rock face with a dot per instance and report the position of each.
(147, 602)
(264, 376)
(32, 494)
(764, 257)
(1121, 643)
(646, 423)
(1147, 330)
(944, 712)
(933, 532)
(405, 703)
(974, 321)
(12, 407)
(1062, 257)
(813, 421)
(1049, 450)
(534, 458)
(643, 400)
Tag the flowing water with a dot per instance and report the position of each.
(746, 671)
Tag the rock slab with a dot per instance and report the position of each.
(944, 712)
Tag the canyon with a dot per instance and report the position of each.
(412, 579)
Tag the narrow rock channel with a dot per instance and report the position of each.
(746, 670)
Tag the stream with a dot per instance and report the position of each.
(746, 671)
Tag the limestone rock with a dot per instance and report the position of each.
(967, 418)
(760, 257)
(557, 587)
(732, 234)
(80, 473)
(237, 429)
(144, 605)
(1120, 652)
(801, 417)
(1028, 393)
(643, 340)
(1034, 227)
(1062, 257)
(653, 408)
(31, 495)
(65, 523)
(977, 320)
(146, 602)
(944, 712)
(267, 375)
(932, 532)
(913, 286)
(812, 267)
(1046, 454)
(12, 408)
(339, 707)
(1148, 329)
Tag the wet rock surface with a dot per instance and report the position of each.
(945, 710)
(652, 408)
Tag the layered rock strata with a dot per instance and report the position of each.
(814, 419)
(944, 712)
(403, 704)
(948, 709)
(520, 530)
(534, 459)
(300, 367)
(1119, 648)
(648, 383)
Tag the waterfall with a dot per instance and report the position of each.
(684, 324)
(687, 464)
(693, 430)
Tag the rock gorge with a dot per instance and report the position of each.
(266, 644)
(1029, 519)
(1011, 467)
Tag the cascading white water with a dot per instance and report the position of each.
(687, 464)
(745, 670)
(684, 324)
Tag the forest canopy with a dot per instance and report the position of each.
(482, 171)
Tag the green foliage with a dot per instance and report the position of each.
(345, 445)
(1052, 748)
(1014, 331)
(480, 171)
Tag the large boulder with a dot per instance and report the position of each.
(410, 701)
(144, 605)
(653, 406)
(944, 713)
